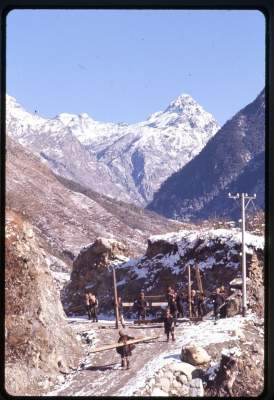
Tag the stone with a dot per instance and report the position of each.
(183, 379)
(196, 388)
(195, 355)
(183, 367)
(160, 373)
(152, 382)
(165, 384)
(158, 392)
(177, 384)
(169, 375)
(184, 390)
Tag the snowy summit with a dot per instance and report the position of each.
(134, 160)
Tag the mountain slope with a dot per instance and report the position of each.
(127, 162)
(68, 216)
(187, 193)
(251, 181)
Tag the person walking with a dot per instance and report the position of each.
(217, 300)
(141, 306)
(120, 311)
(194, 303)
(93, 301)
(87, 304)
(173, 309)
(169, 294)
(180, 304)
(126, 350)
(201, 304)
(169, 325)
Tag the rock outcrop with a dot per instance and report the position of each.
(92, 270)
(39, 343)
(215, 251)
(256, 286)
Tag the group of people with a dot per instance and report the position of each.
(92, 304)
(178, 304)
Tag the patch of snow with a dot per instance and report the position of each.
(219, 333)
(235, 351)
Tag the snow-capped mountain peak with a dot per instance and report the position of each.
(179, 104)
(181, 112)
(135, 158)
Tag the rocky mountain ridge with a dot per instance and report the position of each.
(127, 162)
(192, 191)
(68, 216)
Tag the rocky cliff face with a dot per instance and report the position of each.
(200, 188)
(127, 162)
(39, 343)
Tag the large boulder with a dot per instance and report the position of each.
(92, 270)
(184, 368)
(39, 343)
(195, 355)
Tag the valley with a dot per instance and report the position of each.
(85, 198)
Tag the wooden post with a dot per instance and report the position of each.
(115, 298)
(189, 291)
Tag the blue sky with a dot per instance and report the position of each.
(123, 65)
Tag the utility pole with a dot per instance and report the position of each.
(243, 197)
(189, 292)
(115, 297)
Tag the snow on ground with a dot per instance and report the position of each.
(202, 334)
(186, 238)
(62, 277)
(102, 319)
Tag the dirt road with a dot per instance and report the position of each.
(101, 373)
